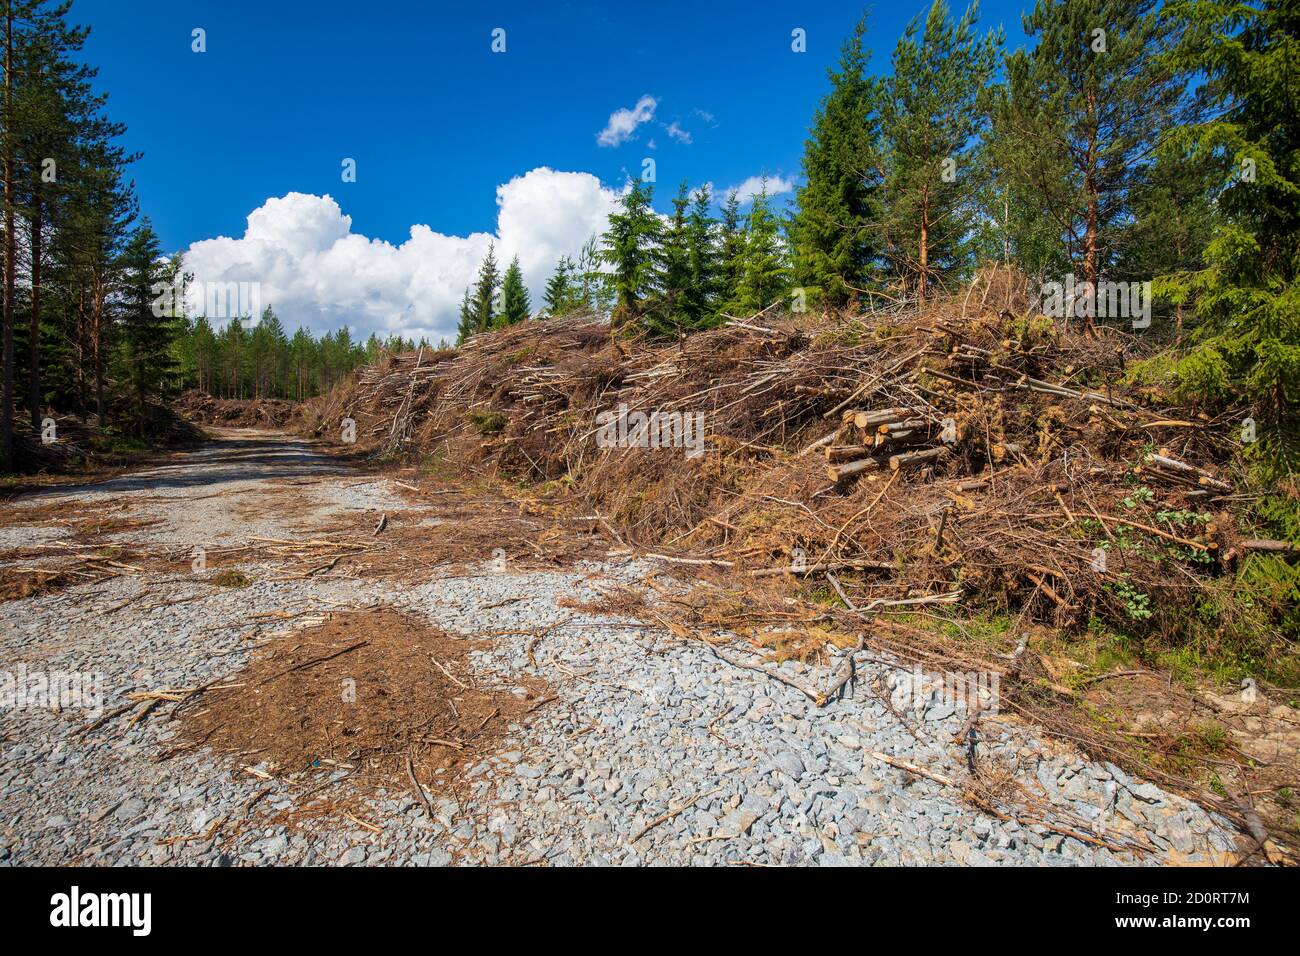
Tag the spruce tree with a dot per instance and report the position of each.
(147, 328)
(834, 232)
(593, 284)
(630, 248)
(1247, 302)
(731, 249)
(514, 296)
(562, 290)
(673, 268)
(765, 275)
(699, 304)
(485, 291)
(468, 320)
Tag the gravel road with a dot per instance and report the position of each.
(655, 751)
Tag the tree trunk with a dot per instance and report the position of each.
(925, 257)
(1092, 217)
(34, 346)
(7, 362)
(98, 348)
(82, 350)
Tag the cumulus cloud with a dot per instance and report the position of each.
(314, 271)
(623, 122)
(674, 131)
(751, 186)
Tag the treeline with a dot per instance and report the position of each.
(669, 276)
(78, 330)
(1126, 141)
(248, 359)
(84, 327)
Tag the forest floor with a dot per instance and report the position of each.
(266, 655)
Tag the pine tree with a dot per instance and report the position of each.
(514, 296)
(203, 352)
(929, 120)
(630, 248)
(56, 110)
(87, 260)
(45, 107)
(304, 356)
(834, 232)
(1082, 114)
(270, 350)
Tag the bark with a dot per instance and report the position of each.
(1093, 214)
(925, 247)
(7, 362)
(99, 347)
(83, 350)
(34, 348)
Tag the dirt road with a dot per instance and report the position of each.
(265, 656)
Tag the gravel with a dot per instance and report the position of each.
(712, 763)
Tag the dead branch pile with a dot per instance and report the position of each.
(237, 413)
(971, 451)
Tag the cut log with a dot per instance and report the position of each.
(822, 442)
(840, 472)
(1199, 475)
(847, 452)
(899, 437)
(870, 419)
(913, 459)
(905, 424)
(1261, 544)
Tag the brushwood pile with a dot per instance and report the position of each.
(970, 452)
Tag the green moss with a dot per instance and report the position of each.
(230, 578)
(487, 423)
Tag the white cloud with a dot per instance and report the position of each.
(750, 187)
(676, 132)
(623, 122)
(314, 271)
(696, 190)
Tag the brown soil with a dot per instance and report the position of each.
(362, 693)
(461, 524)
(24, 583)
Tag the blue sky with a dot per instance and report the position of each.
(435, 120)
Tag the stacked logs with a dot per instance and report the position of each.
(895, 438)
